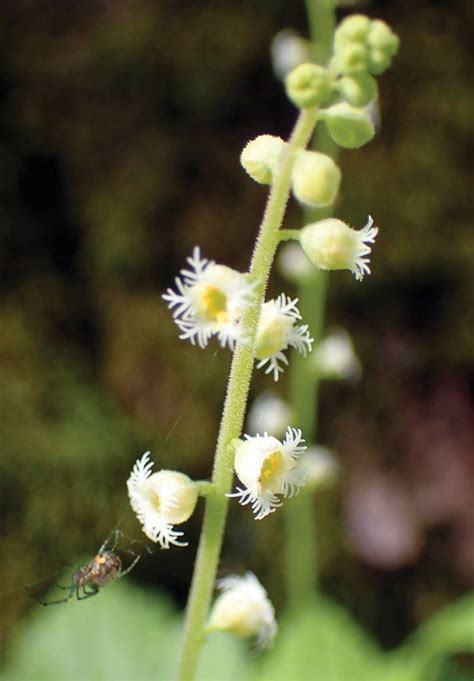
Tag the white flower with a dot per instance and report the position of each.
(268, 469)
(277, 331)
(209, 301)
(332, 245)
(269, 413)
(293, 263)
(321, 465)
(244, 609)
(161, 500)
(288, 50)
(334, 357)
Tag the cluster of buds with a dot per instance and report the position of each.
(362, 48)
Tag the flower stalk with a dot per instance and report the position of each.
(235, 404)
(301, 557)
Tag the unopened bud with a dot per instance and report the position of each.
(359, 89)
(261, 156)
(349, 127)
(383, 44)
(352, 59)
(308, 85)
(316, 179)
(352, 29)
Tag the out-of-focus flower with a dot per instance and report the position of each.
(288, 50)
(269, 413)
(268, 469)
(334, 357)
(243, 608)
(161, 500)
(277, 331)
(321, 465)
(332, 245)
(293, 263)
(209, 301)
(382, 525)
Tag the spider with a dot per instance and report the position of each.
(105, 567)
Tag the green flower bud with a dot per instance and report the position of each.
(359, 89)
(353, 58)
(260, 157)
(363, 45)
(353, 29)
(378, 62)
(349, 127)
(381, 37)
(316, 179)
(308, 85)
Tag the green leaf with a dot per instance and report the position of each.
(322, 643)
(122, 633)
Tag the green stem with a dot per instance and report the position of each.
(288, 234)
(301, 549)
(210, 544)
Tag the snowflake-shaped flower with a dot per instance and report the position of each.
(161, 500)
(209, 300)
(243, 608)
(277, 331)
(268, 469)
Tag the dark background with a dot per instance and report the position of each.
(121, 124)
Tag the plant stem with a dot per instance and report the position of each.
(210, 544)
(301, 549)
(288, 234)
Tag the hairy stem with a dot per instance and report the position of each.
(210, 544)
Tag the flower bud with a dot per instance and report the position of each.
(353, 58)
(244, 609)
(352, 29)
(383, 44)
(363, 45)
(260, 157)
(359, 89)
(349, 127)
(308, 85)
(332, 245)
(316, 179)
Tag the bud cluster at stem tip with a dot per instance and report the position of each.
(362, 49)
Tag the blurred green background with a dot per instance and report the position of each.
(121, 124)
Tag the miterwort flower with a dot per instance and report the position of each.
(268, 470)
(161, 500)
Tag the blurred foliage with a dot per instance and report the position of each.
(120, 129)
(135, 635)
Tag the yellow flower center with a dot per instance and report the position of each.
(271, 467)
(155, 500)
(214, 304)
